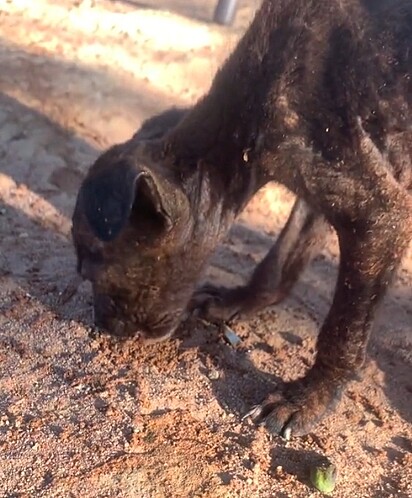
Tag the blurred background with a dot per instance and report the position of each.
(83, 62)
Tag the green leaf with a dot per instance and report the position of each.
(323, 477)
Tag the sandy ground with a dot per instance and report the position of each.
(83, 415)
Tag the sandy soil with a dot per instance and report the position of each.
(83, 415)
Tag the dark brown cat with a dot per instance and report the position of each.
(317, 96)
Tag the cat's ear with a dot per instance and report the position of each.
(109, 198)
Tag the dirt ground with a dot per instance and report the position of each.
(84, 415)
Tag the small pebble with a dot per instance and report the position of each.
(213, 375)
(233, 339)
